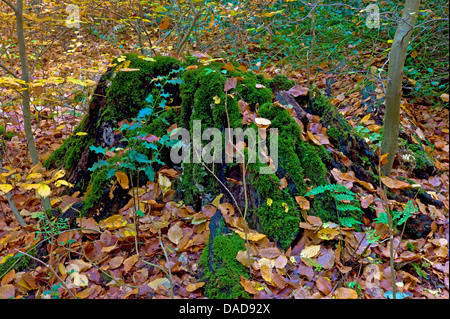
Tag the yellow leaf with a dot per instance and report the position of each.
(122, 178)
(81, 133)
(62, 269)
(164, 183)
(365, 118)
(34, 175)
(216, 201)
(44, 190)
(113, 222)
(269, 201)
(29, 186)
(266, 273)
(59, 174)
(327, 233)
(216, 99)
(286, 207)
(252, 236)
(390, 41)
(175, 234)
(310, 251)
(5, 188)
(413, 54)
(60, 182)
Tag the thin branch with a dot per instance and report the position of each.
(10, 4)
(51, 269)
(8, 70)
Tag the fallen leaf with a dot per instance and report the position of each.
(366, 201)
(116, 262)
(252, 236)
(129, 262)
(44, 190)
(7, 291)
(242, 257)
(393, 183)
(298, 90)
(302, 202)
(310, 251)
(444, 97)
(175, 234)
(266, 273)
(345, 293)
(230, 84)
(280, 262)
(269, 252)
(195, 286)
(324, 285)
(122, 178)
(327, 233)
(158, 282)
(248, 285)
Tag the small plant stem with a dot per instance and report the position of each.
(51, 269)
(391, 252)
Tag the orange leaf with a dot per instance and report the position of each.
(302, 202)
(164, 24)
(122, 178)
(229, 66)
(248, 285)
(345, 293)
(193, 287)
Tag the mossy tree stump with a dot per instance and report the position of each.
(120, 95)
(195, 92)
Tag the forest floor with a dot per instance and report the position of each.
(98, 259)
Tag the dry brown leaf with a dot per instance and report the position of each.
(248, 285)
(195, 286)
(129, 262)
(324, 285)
(242, 257)
(266, 273)
(116, 262)
(345, 293)
(393, 183)
(175, 234)
(310, 251)
(269, 252)
(7, 291)
(302, 202)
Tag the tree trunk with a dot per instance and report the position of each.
(394, 86)
(26, 92)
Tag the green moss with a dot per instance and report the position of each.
(222, 274)
(280, 220)
(280, 82)
(127, 92)
(98, 184)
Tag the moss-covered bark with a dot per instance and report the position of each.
(200, 96)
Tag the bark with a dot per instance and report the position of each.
(397, 58)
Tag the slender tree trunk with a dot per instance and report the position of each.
(394, 86)
(31, 145)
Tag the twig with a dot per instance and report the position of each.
(51, 269)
